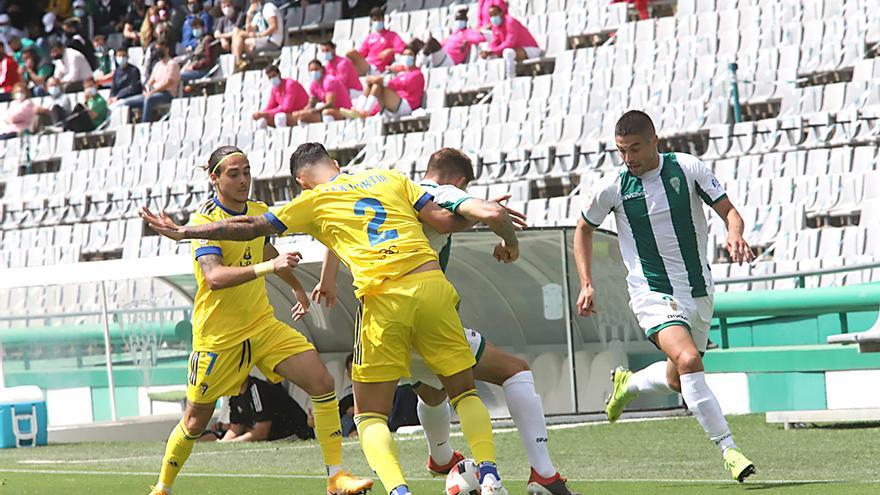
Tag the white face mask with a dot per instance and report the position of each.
(19, 96)
(459, 25)
(121, 61)
(55, 91)
(92, 91)
(316, 75)
(276, 81)
(228, 11)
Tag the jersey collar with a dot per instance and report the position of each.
(227, 210)
(654, 173)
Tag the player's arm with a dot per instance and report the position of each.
(326, 288)
(441, 220)
(238, 228)
(218, 276)
(302, 299)
(258, 433)
(235, 430)
(737, 246)
(583, 258)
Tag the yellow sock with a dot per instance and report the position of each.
(475, 425)
(328, 430)
(379, 449)
(180, 445)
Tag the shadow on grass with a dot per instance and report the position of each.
(770, 486)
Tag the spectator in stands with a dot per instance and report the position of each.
(60, 8)
(19, 116)
(263, 412)
(60, 103)
(126, 78)
(73, 38)
(341, 68)
(147, 32)
(264, 30)
(328, 96)
(378, 49)
(34, 72)
(286, 101)
(510, 41)
(231, 20)
(150, 55)
(640, 5)
(107, 14)
(400, 96)
(17, 46)
(86, 21)
(132, 21)
(51, 33)
(91, 113)
(71, 67)
(8, 31)
(9, 75)
(173, 17)
(203, 55)
(484, 17)
(196, 11)
(161, 87)
(104, 58)
(455, 49)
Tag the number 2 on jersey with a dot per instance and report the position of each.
(376, 237)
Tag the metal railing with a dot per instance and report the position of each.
(799, 276)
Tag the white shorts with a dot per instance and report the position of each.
(533, 52)
(402, 110)
(421, 373)
(656, 311)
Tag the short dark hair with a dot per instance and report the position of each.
(217, 156)
(377, 12)
(272, 68)
(99, 37)
(315, 61)
(449, 162)
(634, 122)
(329, 43)
(197, 21)
(307, 154)
(462, 14)
(57, 44)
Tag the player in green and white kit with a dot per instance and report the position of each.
(657, 204)
(448, 174)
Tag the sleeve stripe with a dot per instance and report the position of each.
(584, 216)
(719, 198)
(278, 224)
(458, 203)
(423, 201)
(202, 251)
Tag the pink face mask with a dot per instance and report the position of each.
(154, 18)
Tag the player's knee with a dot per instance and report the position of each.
(196, 423)
(430, 395)
(509, 54)
(324, 384)
(689, 362)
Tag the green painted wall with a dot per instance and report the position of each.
(169, 373)
(786, 391)
(798, 330)
(126, 403)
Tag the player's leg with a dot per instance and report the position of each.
(434, 416)
(282, 352)
(373, 403)
(359, 62)
(390, 99)
(180, 443)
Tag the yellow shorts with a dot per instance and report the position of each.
(218, 373)
(414, 312)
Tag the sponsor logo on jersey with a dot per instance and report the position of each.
(676, 316)
(633, 195)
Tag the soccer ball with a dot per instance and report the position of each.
(463, 479)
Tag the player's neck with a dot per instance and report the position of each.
(230, 204)
(653, 164)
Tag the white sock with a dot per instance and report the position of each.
(703, 404)
(327, 119)
(369, 103)
(435, 424)
(651, 379)
(160, 486)
(527, 412)
(332, 470)
(509, 56)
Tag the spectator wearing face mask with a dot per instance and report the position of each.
(17, 46)
(328, 96)
(20, 114)
(400, 96)
(231, 20)
(86, 21)
(203, 55)
(510, 41)
(132, 20)
(52, 32)
(8, 31)
(455, 49)
(9, 76)
(341, 68)
(286, 101)
(34, 72)
(104, 58)
(196, 11)
(484, 20)
(264, 30)
(107, 14)
(91, 113)
(74, 39)
(148, 28)
(71, 67)
(126, 78)
(59, 104)
(161, 87)
(378, 49)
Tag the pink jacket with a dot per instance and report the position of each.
(288, 97)
(329, 84)
(483, 7)
(459, 43)
(409, 85)
(510, 34)
(341, 68)
(18, 117)
(376, 43)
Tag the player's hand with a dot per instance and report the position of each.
(585, 305)
(325, 291)
(302, 305)
(739, 249)
(163, 224)
(506, 253)
(286, 261)
(517, 217)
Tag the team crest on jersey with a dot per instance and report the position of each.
(675, 182)
(203, 242)
(246, 257)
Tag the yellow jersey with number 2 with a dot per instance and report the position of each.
(368, 219)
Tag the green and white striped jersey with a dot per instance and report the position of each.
(661, 224)
(449, 198)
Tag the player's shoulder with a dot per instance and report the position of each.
(255, 207)
(208, 212)
(688, 162)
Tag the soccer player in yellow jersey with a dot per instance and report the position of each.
(371, 221)
(234, 329)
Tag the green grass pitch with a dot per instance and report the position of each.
(670, 456)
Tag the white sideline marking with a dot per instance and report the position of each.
(321, 476)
